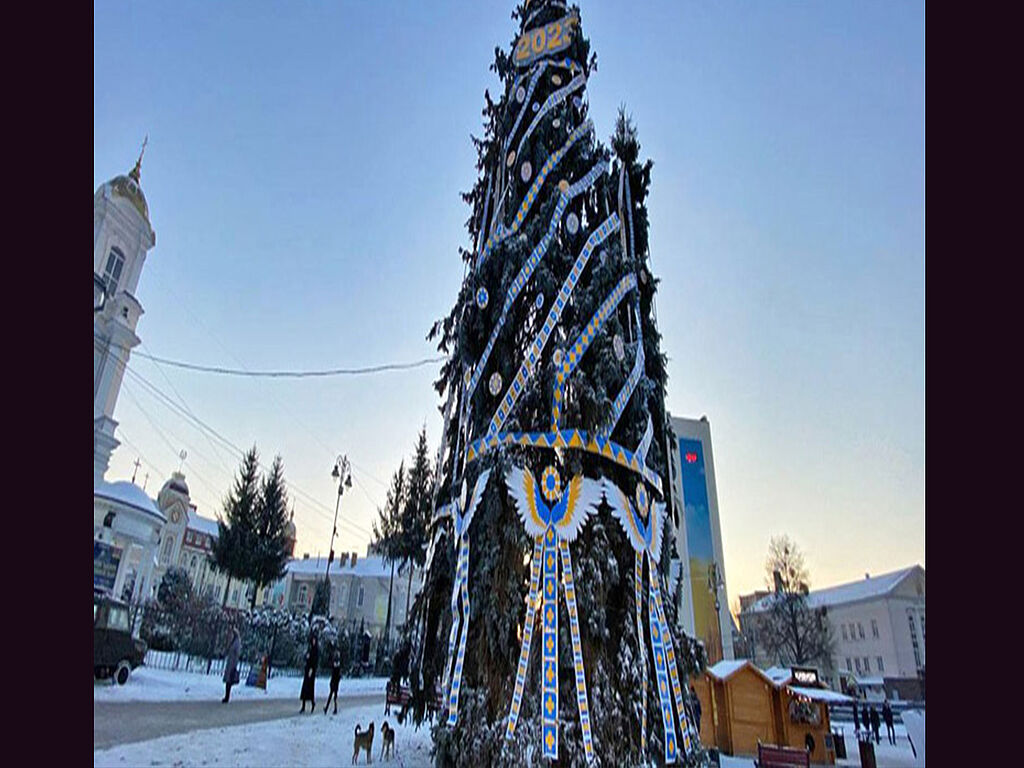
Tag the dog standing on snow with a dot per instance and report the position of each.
(363, 740)
(388, 741)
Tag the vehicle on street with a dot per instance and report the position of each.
(115, 652)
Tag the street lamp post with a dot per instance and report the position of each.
(343, 475)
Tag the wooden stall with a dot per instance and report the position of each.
(737, 703)
(802, 720)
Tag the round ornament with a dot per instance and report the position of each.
(572, 223)
(511, 158)
(539, 302)
(563, 186)
(467, 377)
(643, 276)
(551, 484)
(641, 499)
(619, 347)
(557, 357)
(481, 297)
(556, 123)
(577, 102)
(526, 171)
(556, 79)
(536, 106)
(520, 94)
(495, 384)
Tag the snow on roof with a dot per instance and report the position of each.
(862, 589)
(869, 681)
(204, 525)
(728, 667)
(779, 675)
(372, 566)
(819, 694)
(129, 494)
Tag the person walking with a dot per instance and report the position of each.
(335, 679)
(231, 663)
(875, 724)
(856, 718)
(309, 679)
(887, 717)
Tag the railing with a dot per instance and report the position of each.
(844, 712)
(186, 662)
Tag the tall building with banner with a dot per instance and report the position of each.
(704, 603)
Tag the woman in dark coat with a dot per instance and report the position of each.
(875, 724)
(856, 717)
(312, 660)
(231, 664)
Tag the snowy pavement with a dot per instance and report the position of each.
(147, 684)
(310, 740)
(886, 755)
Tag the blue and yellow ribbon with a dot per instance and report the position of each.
(524, 651)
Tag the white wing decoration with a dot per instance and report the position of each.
(478, 492)
(622, 509)
(522, 487)
(582, 496)
(657, 528)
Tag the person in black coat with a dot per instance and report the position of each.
(309, 678)
(887, 716)
(335, 679)
(231, 664)
(695, 706)
(856, 718)
(875, 724)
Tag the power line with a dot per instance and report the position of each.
(292, 374)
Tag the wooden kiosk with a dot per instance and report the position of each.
(741, 705)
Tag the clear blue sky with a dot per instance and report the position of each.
(303, 175)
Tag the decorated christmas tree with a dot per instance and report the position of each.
(541, 631)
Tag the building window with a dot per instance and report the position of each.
(867, 667)
(302, 593)
(857, 662)
(853, 631)
(112, 274)
(192, 566)
(874, 628)
(845, 638)
(860, 630)
(359, 601)
(234, 595)
(913, 640)
(881, 666)
(849, 664)
(923, 638)
(168, 546)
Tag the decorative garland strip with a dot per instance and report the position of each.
(554, 99)
(670, 652)
(638, 601)
(579, 348)
(549, 695)
(500, 232)
(515, 388)
(582, 703)
(645, 441)
(463, 591)
(660, 671)
(526, 272)
(524, 650)
(627, 389)
(566, 438)
(462, 565)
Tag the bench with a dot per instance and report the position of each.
(772, 756)
(397, 694)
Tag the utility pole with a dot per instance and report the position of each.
(342, 473)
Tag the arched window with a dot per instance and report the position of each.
(112, 273)
(168, 546)
(193, 564)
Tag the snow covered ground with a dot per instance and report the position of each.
(296, 741)
(147, 684)
(886, 755)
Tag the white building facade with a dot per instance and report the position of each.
(877, 623)
(704, 607)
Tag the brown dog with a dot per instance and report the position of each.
(388, 741)
(363, 740)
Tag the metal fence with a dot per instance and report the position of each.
(186, 662)
(844, 712)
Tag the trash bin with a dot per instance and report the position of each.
(867, 754)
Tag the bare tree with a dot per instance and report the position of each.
(790, 630)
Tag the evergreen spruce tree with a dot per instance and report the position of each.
(270, 554)
(387, 534)
(233, 550)
(547, 187)
(321, 597)
(416, 513)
